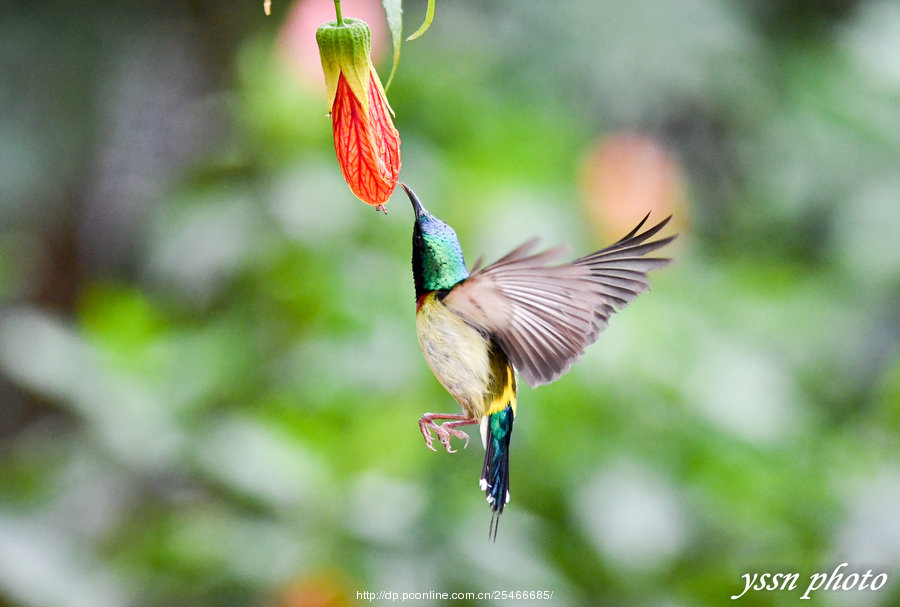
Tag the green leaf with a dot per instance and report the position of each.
(393, 11)
(429, 17)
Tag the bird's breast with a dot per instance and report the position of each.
(458, 354)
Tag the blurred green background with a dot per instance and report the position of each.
(209, 374)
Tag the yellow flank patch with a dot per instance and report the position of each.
(507, 394)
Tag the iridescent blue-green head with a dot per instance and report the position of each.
(437, 258)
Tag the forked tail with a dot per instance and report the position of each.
(496, 432)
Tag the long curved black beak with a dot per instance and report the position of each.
(417, 206)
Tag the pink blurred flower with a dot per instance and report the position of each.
(626, 175)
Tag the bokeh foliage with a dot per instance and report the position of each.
(209, 376)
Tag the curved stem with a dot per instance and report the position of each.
(337, 12)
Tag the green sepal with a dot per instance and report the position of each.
(345, 49)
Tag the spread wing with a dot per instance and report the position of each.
(544, 316)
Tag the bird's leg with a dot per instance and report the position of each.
(446, 430)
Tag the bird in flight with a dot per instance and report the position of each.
(521, 314)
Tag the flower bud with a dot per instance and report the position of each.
(365, 140)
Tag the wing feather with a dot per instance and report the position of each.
(543, 315)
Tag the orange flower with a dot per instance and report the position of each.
(366, 142)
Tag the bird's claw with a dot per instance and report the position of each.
(425, 427)
(457, 433)
(443, 434)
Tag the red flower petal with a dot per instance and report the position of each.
(368, 147)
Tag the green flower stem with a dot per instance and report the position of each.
(337, 12)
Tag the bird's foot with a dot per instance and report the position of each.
(443, 434)
(380, 207)
(444, 431)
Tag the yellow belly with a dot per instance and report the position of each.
(472, 369)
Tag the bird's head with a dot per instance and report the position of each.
(437, 258)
